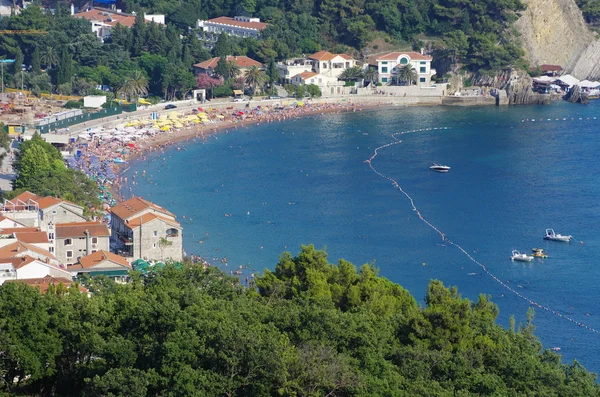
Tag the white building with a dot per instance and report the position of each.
(103, 20)
(238, 26)
(28, 268)
(292, 67)
(76, 240)
(332, 65)
(388, 66)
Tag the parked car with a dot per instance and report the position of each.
(170, 106)
(274, 97)
(239, 99)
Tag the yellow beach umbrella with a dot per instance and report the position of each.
(220, 116)
(165, 128)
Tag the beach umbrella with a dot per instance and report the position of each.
(165, 128)
(220, 116)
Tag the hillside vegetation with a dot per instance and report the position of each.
(310, 328)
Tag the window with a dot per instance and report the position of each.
(422, 80)
(50, 236)
(54, 211)
(153, 245)
(384, 63)
(403, 61)
(324, 65)
(423, 63)
(156, 233)
(69, 254)
(93, 251)
(68, 241)
(384, 69)
(94, 240)
(384, 79)
(423, 69)
(347, 65)
(51, 250)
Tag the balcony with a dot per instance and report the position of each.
(126, 239)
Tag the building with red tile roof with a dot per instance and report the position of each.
(20, 249)
(104, 20)
(28, 267)
(332, 65)
(238, 26)
(44, 283)
(78, 239)
(102, 263)
(141, 229)
(242, 62)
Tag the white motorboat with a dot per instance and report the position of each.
(439, 168)
(517, 256)
(550, 235)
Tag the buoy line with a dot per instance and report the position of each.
(397, 186)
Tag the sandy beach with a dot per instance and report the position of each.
(103, 153)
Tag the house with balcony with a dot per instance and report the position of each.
(293, 67)
(331, 65)
(76, 240)
(238, 26)
(389, 65)
(103, 20)
(102, 263)
(144, 230)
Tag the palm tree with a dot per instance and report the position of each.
(49, 56)
(134, 85)
(233, 70)
(371, 75)
(407, 74)
(254, 77)
(351, 74)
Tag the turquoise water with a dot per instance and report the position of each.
(305, 181)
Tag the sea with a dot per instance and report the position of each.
(246, 195)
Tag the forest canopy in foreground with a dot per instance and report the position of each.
(310, 328)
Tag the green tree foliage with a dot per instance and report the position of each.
(41, 170)
(65, 68)
(591, 11)
(311, 329)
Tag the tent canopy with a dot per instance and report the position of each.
(238, 92)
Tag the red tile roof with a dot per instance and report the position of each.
(14, 249)
(414, 56)
(32, 237)
(306, 75)
(241, 24)
(77, 229)
(27, 196)
(322, 56)
(134, 206)
(18, 262)
(48, 201)
(11, 230)
(135, 222)
(241, 61)
(551, 68)
(97, 257)
(107, 17)
(44, 283)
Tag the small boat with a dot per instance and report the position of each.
(555, 348)
(539, 253)
(119, 160)
(517, 256)
(550, 235)
(439, 168)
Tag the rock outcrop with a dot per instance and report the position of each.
(554, 32)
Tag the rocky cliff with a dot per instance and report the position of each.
(554, 32)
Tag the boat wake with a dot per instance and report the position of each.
(446, 240)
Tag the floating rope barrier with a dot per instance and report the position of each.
(450, 242)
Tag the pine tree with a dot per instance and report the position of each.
(18, 62)
(65, 68)
(35, 61)
(139, 31)
(187, 57)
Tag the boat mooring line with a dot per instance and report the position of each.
(397, 186)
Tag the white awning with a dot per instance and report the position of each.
(55, 138)
(568, 80)
(588, 84)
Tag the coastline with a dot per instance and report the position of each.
(205, 131)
